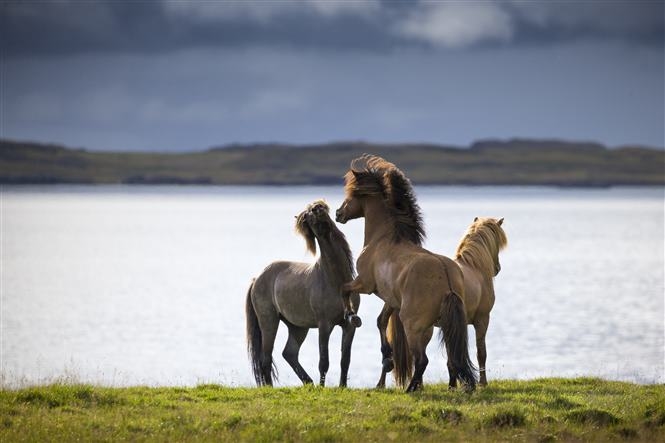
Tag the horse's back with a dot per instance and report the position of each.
(422, 279)
(283, 286)
(426, 265)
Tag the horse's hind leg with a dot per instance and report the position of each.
(269, 325)
(452, 374)
(418, 340)
(481, 330)
(292, 350)
(387, 363)
(348, 331)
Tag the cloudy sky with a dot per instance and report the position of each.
(187, 75)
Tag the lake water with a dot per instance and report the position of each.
(122, 285)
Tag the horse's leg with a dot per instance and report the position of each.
(324, 363)
(269, 325)
(292, 349)
(418, 338)
(481, 326)
(349, 313)
(452, 374)
(387, 363)
(348, 331)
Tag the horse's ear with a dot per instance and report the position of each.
(500, 221)
(475, 219)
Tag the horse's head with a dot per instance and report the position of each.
(314, 222)
(362, 180)
(481, 244)
(350, 209)
(493, 225)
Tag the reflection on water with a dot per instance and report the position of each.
(146, 285)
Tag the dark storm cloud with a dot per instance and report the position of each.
(70, 27)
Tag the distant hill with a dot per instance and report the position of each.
(513, 162)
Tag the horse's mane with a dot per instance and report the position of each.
(372, 175)
(336, 236)
(481, 243)
(338, 239)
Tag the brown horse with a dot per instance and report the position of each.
(303, 296)
(478, 256)
(427, 289)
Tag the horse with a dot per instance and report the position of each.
(303, 296)
(477, 254)
(427, 289)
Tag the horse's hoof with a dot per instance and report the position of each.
(356, 321)
(413, 387)
(388, 364)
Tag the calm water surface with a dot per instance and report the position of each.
(146, 285)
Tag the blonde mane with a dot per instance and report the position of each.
(303, 228)
(336, 236)
(480, 245)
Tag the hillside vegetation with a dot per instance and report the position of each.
(544, 410)
(516, 162)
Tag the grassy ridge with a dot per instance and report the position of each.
(517, 162)
(538, 410)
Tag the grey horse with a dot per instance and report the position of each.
(303, 296)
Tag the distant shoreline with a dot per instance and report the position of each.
(517, 162)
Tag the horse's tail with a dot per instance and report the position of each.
(402, 358)
(454, 336)
(254, 340)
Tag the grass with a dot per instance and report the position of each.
(541, 410)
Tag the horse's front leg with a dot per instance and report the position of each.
(481, 330)
(348, 331)
(387, 363)
(348, 289)
(324, 337)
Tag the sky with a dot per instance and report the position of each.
(165, 75)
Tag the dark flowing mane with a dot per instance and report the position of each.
(372, 175)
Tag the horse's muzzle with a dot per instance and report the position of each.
(339, 216)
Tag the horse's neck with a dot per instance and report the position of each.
(334, 261)
(486, 278)
(378, 221)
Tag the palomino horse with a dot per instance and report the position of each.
(478, 256)
(303, 296)
(426, 288)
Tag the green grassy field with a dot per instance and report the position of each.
(542, 410)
